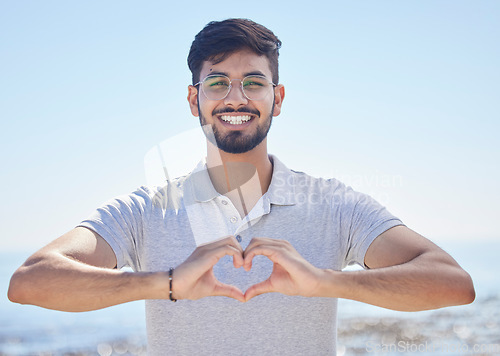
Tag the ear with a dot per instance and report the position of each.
(193, 100)
(279, 96)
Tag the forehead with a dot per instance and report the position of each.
(238, 65)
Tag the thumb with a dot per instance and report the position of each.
(258, 289)
(226, 290)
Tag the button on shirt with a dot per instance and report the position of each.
(156, 228)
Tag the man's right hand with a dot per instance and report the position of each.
(76, 273)
(195, 279)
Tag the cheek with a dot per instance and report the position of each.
(204, 109)
(264, 106)
(206, 106)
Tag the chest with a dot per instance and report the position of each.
(169, 240)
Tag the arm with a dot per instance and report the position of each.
(76, 272)
(407, 273)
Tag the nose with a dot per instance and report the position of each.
(235, 97)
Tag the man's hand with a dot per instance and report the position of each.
(291, 275)
(195, 279)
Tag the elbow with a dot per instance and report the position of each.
(462, 291)
(468, 292)
(457, 289)
(26, 282)
(15, 292)
(19, 290)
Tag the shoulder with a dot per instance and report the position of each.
(303, 186)
(168, 195)
(147, 196)
(330, 193)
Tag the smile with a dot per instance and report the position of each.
(235, 120)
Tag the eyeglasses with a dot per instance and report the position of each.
(217, 87)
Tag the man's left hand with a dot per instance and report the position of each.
(291, 275)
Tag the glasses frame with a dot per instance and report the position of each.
(231, 85)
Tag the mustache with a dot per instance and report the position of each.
(244, 110)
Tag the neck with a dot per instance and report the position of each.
(231, 171)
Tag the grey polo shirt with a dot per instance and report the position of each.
(156, 228)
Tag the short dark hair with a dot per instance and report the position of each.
(219, 39)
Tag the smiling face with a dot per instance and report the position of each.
(239, 124)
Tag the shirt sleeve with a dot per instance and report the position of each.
(121, 222)
(366, 220)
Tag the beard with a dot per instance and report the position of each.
(237, 141)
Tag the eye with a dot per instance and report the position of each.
(216, 82)
(255, 83)
(249, 83)
(219, 83)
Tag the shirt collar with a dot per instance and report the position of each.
(202, 187)
(281, 190)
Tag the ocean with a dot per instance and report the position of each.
(363, 329)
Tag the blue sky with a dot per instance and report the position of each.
(397, 98)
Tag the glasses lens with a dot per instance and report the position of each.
(256, 87)
(216, 87)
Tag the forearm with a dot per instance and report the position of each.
(426, 282)
(61, 283)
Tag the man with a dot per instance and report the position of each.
(291, 233)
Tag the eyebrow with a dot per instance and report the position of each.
(256, 72)
(219, 73)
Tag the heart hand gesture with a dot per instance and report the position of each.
(291, 275)
(195, 279)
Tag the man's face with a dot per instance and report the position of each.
(228, 117)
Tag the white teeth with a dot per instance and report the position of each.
(235, 120)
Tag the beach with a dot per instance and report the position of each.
(464, 330)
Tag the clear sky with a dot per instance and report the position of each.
(399, 99)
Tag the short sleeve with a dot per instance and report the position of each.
(120, 221)
(366, 220)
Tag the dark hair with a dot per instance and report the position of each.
(219, 39)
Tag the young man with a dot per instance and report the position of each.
(242, 207)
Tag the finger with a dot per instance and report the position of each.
(265, 242)
(226, 290)
(248, 255)
(237, 258)
(226, 250)
(238, 261)
(256, 241)
(205, 259)
(269, 251)
(258, 289)
(228, 240)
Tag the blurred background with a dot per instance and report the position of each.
(397, 99)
